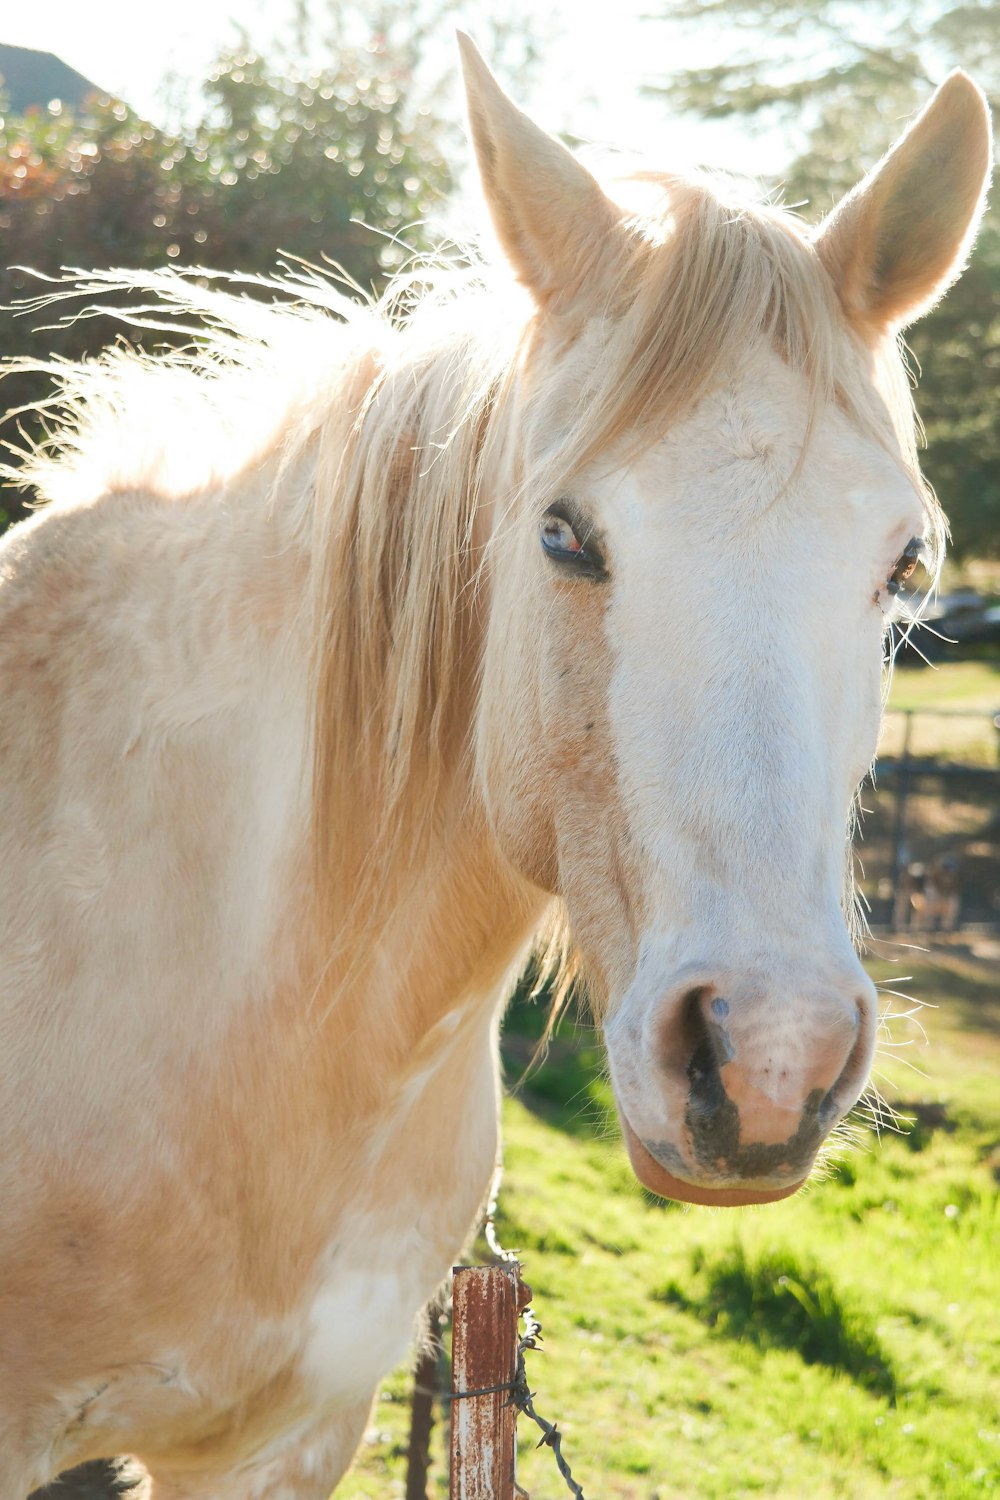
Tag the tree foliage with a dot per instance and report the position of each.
(847, 74)
(276, 164)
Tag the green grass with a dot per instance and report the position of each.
(960, 688)
(776, 1300)
(966, 685)
(840, 1344)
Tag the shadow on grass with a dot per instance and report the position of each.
(775, 1301)
(971, 986)
(565, 1081)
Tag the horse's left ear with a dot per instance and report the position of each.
(555, 225)
(901, 237)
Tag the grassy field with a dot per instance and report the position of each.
(972, 686)
(962, 696)
(947, 812)
(843, 1343)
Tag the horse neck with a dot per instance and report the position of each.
(423, 972)
(455, 928)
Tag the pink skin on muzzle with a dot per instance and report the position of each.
(659, 1180)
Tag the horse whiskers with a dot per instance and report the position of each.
(876, 1072)
(905, 637)
(911, 1018)
(844, 1138)
(917, 1005)
(874, 1107)
(915, 622)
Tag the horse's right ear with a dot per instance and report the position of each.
(554, 223)
(897, 241)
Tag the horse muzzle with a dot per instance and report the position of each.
(726, 1095)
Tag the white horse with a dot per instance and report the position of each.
(348, 654)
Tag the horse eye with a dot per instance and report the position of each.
(558, 537)
(906, 566)
(568, 538)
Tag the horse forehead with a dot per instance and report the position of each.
(760, 420)
(739, 458)
(761, 412)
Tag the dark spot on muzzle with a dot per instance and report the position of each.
(714, 1125)
(713, 1120)
(714, 1149)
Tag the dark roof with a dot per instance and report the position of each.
(28, 77)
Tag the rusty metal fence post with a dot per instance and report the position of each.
(486, 1303)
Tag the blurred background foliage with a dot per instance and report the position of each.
(279, 159)
(844, 76)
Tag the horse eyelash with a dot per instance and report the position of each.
(918, 546)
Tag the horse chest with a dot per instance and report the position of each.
(360, 1321)
(427, 1181)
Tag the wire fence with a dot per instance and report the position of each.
(928, 854)
(483, 1387)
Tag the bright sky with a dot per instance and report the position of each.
(590, 82)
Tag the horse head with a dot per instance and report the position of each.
(706, 500)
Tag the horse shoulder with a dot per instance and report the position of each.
(151, 791)
(187, 1147)
(153, 729)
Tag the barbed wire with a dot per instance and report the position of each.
(523, 1399)
(521, 1394)
(509, 1257)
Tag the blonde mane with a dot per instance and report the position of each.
(379, 424)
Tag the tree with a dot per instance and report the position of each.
(278, 163)
(848, 72)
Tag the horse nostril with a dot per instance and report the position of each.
(851, 1080)
(706, 1047)
(692, 1020)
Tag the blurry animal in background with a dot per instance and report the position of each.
(928, 895)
